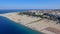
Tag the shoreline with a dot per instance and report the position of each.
(27, 21)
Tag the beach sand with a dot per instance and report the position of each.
(35, 23)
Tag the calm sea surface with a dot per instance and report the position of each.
(10, 27)
(8, 11)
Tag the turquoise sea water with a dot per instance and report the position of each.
(10, 27)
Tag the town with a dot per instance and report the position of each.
(48, 14)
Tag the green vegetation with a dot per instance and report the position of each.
(51, 16)
(30, 14)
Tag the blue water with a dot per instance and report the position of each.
(8, 11)
(14, 10)
(10, 27)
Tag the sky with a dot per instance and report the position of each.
(29, 4)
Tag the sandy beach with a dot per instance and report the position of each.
(35, 23)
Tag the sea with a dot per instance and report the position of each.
(9, 11)
(8, 26)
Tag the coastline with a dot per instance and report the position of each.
(26, 21)
(10, 27)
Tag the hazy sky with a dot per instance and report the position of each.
(29, 4)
